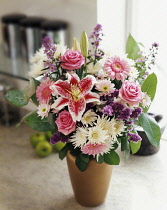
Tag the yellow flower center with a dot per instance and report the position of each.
(44, 109)
(76, 92)
(105, 88)
(117, 66)
(95, 135)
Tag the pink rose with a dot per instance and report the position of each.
(65, 123)
(131, 93)
(72, 60)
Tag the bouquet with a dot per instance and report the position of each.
(91, 100)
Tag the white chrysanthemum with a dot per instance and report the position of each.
(60, 50)
(119, 127)
(36, 69)
(133, 74)
(106, 124)
(80, 137)
(93, 69)
(97, 135)
(89, 117)
(146, 100)
(39, 56)
(43, 110)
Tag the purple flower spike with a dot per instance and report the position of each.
(56, 137)
(108, 110)
(98, 28)
(155, 44)
(134, 137)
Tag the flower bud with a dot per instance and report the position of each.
(76, 45)
(84, 44)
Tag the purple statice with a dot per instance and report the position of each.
(117, 107)
(56, 137)
(155, 44)
(98, 28)
(115, 94)
(136, 112)
(124, 114)
(141, 60)
(134, 137)
(129, 122)
(99, 53)
(108, 110)
(52, 67)
(49, 47)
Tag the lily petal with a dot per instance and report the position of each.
(91, 97)
(73, 79)
(63, 88)
(60, 103)
(77, 108)
(87, 83)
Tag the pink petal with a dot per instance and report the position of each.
(91, 97)
(77, 108)
(63, 88)
(86, 84)
(60, 103)
(73, 79)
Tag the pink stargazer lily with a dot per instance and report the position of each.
(75, 94)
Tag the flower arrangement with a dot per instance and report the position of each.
(91, 100)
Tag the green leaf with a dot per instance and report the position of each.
(36, 123)
(27, 115)
(151, 129)
(63, 152)
(36, 82)
(16, 97)
(111, 158)
(84, 157)
(100, 159)
(82, 165)
(132, 48)
(34, 99)
(135, 146)
(124, 143)
(149, 86)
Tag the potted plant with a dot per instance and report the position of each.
(92, 102)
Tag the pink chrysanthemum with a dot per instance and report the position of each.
(105, 87)
(117, 68)
(43, 92)
(95, 149)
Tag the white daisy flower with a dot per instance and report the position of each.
(36, 69)
(39, 56)
(43, 110)
(105, 124)
(97, 135)
(146, 100)
(134, 73)
(105, 86)
(93, 69)
(80, 137)
(89, 117)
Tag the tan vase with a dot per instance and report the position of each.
(91, 186)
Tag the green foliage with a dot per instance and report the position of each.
(33, 97)
(84, 157)
(135, 146)
(149, 86)
(16, 97)
(132, 48)
(111, 158)
(100, 159)
(36, 123)
(80, 163)
(63, 152)
(124, 143)
(151, 129)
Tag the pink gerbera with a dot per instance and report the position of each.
(43, 92)
(117, 68)
(95, 149)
